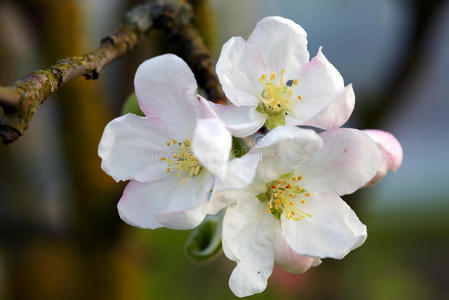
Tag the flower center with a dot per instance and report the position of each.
(183, 161)
(276, 98)
(282, 195)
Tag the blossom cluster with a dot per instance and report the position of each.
(282, 198)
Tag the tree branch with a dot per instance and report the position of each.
(19, 102)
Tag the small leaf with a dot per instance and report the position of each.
(132, 106)
(204, 243)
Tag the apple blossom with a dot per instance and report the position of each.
(270, 80)
(291, 213)
(170, 156)
(391, 151)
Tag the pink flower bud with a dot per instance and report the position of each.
(391, 152)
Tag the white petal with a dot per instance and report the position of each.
(187, 206)
(283, 150)
(336, 113)
(282, 43)
(131, 148)
(165, 88)
(247, 239)
(347, 161)
(239, 68)
(333, 230)
(211, 145)
(241, 121)
(241, 173)
(319, 84)
(288, 259)
(141, 201)
(156, 204)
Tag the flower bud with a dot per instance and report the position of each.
(391, 151)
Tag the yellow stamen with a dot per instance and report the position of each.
(184, 162)
(276, 96)
(282, 194)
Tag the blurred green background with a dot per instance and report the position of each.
(61, 237)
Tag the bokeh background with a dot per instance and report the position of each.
(61, 237)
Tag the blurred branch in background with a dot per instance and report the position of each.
(21, 100)
(374, 112)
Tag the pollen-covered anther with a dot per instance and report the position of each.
(277, 94)
(281, 196)
(183, 161)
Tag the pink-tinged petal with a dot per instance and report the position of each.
(336, 113)
(211, 145)
(289, 259)
(282, 43)
(347, 161)
(318, 85)
(391, 151)
(131, 148)
(187, 206)
(247, 239)
(140, 202)
(238, 68)
(241, 121)
(165, 88)
(331, 228)
(165, 202)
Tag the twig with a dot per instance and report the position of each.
(19, 101)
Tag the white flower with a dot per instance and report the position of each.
(270, 80)
(169, 156)
(291, 214)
